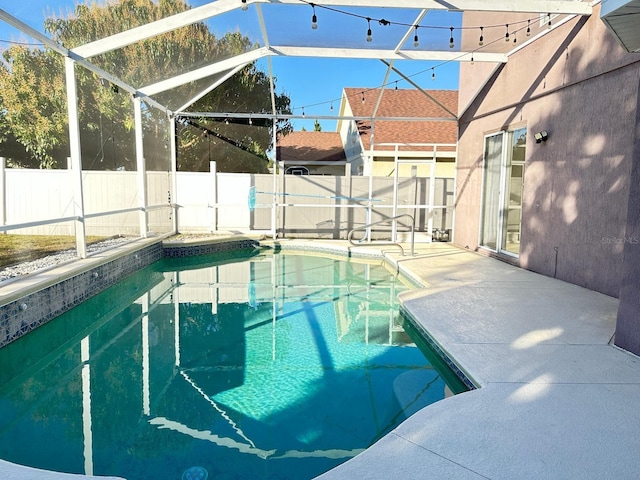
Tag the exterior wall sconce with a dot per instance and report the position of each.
(541, 136)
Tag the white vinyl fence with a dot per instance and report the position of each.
(41, 202)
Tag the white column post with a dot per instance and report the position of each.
(3, 192)
(276, 167)
(174, 175)
(141, 169)
(76, 157)
(396, 177)
(432, 193)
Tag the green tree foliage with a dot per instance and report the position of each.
(33, 94)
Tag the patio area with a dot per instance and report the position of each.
(555, 400)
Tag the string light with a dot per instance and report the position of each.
(314, 19)
(396, 85)
(244, 5)
(385, 22)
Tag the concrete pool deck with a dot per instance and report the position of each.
(556, 400)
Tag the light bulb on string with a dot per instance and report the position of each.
(331, 107)
(481, 40)
(528, 28)
(416, 42)
(433, 74)
(314, 19)
(363, 99)
(244, 5)
(369, 35)
(506, 35)
(451, 43)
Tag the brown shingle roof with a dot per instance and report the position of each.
(315, 146)
(405, 103)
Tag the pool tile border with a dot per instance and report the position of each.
(453, 366)
(26, 313)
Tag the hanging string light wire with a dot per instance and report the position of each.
(385, 22)
(432, 69)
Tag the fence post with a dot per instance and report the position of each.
(214, 195)
(3, 192)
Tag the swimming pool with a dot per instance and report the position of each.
(269, 366)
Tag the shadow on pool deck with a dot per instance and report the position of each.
(556, 399)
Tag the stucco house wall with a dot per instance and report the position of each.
(580, 86)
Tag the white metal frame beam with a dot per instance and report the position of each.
(158, 27)
(200, 73)
(373, 54)
(211, 87)
(47, 42)
(513, 6)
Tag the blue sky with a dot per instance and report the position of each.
(312, 83)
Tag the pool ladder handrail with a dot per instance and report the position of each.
(387, 220)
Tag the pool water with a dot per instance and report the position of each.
(269, 366)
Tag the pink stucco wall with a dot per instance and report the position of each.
(577, 83)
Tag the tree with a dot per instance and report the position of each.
(33, 94)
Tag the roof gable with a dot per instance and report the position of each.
(438, 104)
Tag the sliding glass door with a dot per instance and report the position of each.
(491, 191)
(503, 183)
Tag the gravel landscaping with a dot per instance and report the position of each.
(49, 261)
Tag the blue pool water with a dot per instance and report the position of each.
(269, 366)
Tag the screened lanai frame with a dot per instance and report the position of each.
(392, 46)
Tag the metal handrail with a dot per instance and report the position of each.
(387, 220)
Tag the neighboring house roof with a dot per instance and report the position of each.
(405, 103)
(311, 146)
